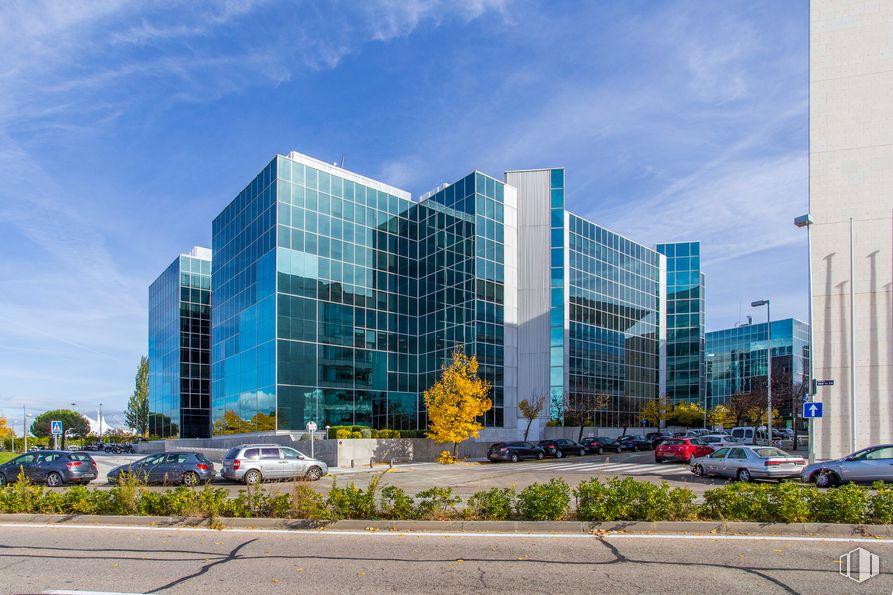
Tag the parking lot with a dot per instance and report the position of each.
(468, 477)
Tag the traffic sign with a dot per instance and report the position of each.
(812, 410)
(311, 426)
(56, 428)
(824, 383)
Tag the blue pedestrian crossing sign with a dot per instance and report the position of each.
(812, 410)
(56, 428)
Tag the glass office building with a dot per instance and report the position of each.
(685, 315)
(337, 299)
(737, 356)
(179, 348)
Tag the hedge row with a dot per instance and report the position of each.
(615, 500)
(343, 432)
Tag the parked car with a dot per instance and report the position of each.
(254, 463)
(657, 437)
(681, 449)
(599, 444)
(560, 447)
(187, 468)
(749, 462)
(868, 465)
(53, 467)
(719, 440)
(514, 451)
(634, 442)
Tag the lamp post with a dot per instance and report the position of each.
(801, 222)
(757, 304)
(25, 416)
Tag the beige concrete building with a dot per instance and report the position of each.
(851, 187)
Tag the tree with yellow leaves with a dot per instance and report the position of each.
(5, 430)
(456, 401)
(721, 415)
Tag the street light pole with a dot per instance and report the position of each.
(757, 304)
(25, 426)
(807, 221)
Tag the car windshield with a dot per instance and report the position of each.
(201, 457)
(77, 456)
(673, 442)
(231, 454)
(766, 453)
(498, 445)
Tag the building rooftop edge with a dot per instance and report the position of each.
(344, 173)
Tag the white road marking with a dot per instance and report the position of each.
(376, 534)
(66, 592)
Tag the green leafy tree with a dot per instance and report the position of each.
(137, 414)
(73, 424)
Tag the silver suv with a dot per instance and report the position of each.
(254, 463)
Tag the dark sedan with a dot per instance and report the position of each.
(657, 437)
(514, 451)
(561, 446)
(52, 467)
(187, 468)
(600, 444)
(630, 442)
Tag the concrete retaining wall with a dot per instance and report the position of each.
(335, 453)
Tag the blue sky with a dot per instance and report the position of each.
(126, 127)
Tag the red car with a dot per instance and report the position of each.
(680, 449)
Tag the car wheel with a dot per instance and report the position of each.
(698, 470)
(253, 477)
(2, 480)
(314, 473)
(54, 480)
(540, 456)
(825, 479)
(558, 454)
(514, 458)
(744, 475)
(582, 451)
(658, 460)
(190, 478)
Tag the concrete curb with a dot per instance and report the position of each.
(520, 527)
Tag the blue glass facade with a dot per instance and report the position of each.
(686, 378)
(179, 348)
(337, 299)
(736, 356)
(614, 302)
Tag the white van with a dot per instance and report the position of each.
(750, 434)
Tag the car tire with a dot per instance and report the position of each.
(514, 457)
(2, 480)
(582, 451)
(253, 477)
(54, 480)
(190, 479)
(743, 475)
(314, 473)
(698, 470)
(558, 454)
(825, 479)
(540, 456)
(658, 460)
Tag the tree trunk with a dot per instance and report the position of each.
(455, 449)
(527, 429)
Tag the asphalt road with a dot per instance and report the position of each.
(39, 559)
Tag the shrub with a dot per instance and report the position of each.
(352, 502)
(545, 501)
(789, 503)
(845, 504)
(737, 502)
(307, 503)
(355, 435)
(437, 503)
(366, 433)
(553, 423)
(631, 500)
(396, 504)
(494, 504)
(445, 458)
(882, 504)
(341, 434)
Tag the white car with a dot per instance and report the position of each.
(719, 440)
